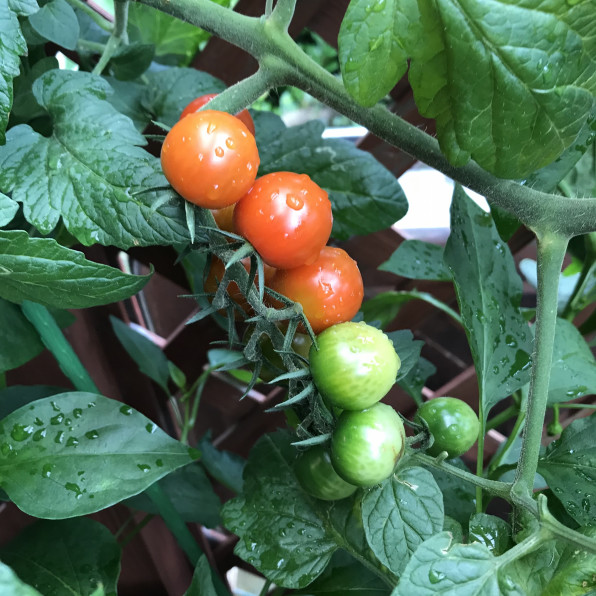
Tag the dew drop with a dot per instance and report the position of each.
(219, 151)
(126, 410)
(21, 432)
(92, 434)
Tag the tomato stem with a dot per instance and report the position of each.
(99, 20)
(551, 251)
(118, 37)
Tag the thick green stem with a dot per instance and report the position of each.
(283, 13)
(118, 37)
(53, 339)
(551, 250)
(494, 487)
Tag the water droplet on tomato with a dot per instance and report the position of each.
(211, 128)
(230, 143)
(219, 152)
(294, 202)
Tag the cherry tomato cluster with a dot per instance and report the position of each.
(211, 159)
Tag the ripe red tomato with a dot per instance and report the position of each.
(330, 290)
(210, 158)
(196, 104)
(286, 217)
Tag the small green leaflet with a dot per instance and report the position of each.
(416, 259)
(569, 467)
(65, 558)
(488, 291)
(43, 271)
(8, 209)
(12, 45)
(76, 453)
(401, 513)
(56, 21)
(91, 172)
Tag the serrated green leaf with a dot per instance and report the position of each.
(8, 209)
(459, 497)
(371, 54)
(90, 172)
(523, 50)
(569, 467)
(170, 91)
(440, 567)
(573, 368)
(365, 196)
(416, 259)
(56, 21)
(148, 356)
(226, 467)
(191, 494)
(127, 99)
(488, 291)
(11, 585)
(401, 513)
(77, 453)
(65, 558)
(286, 534)
(491, 531)
(12, 45)
(40, 270)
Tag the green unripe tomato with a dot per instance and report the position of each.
(317, 477)
(355, 365)
(452, 423)
(366, 445)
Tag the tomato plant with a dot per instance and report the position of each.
(92, 220)
(196, 104)
(354, 366)
(367, 444)
(330, 290)
(452, 423)
(210, 158)
(286, 217)
(318, 477)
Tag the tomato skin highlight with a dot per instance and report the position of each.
(224, 218)
(210, 158)
(330, 290)
(355, 366)
(453, 424)
(286, 217)
(317, 476)
(196, 104)
(367, 444)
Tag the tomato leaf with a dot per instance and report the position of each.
(569, 467)
(191, 494)
(41, 270)
(11, 584)
(8, 209)
(65, 557)
(371, 54)
(12, 45)
(573, 368)
(128, 100)
(364, 195)
(441, 567)
(416, 259)
(286, 534)
(413, 382)
(488, 291)
(170, 91)
(521, 49)
(407, 348)
(76, 453)
(56, 21)
(16, 396)
(98, 179)
(491, 531)
(148, 356)
(401, 513)
(226, 467)
(131, 61)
